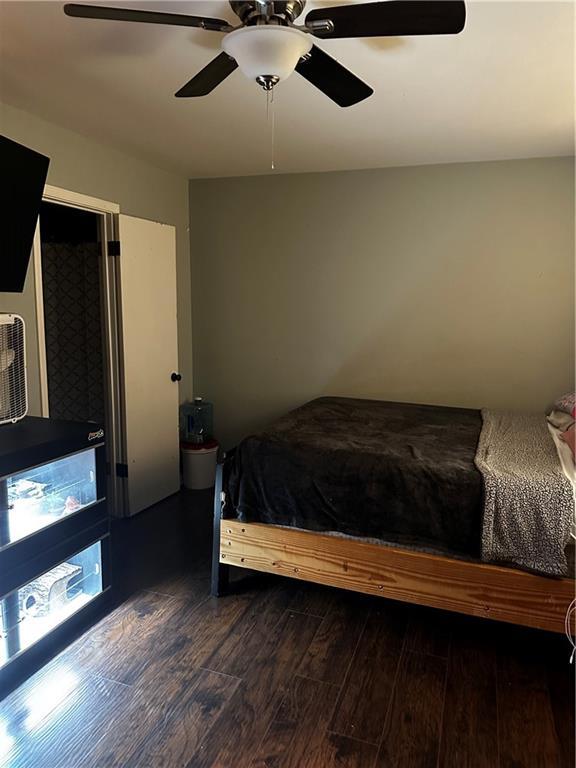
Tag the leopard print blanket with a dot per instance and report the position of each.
(528, 500)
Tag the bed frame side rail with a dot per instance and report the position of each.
(469, 587)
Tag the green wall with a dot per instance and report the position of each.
(445, 284)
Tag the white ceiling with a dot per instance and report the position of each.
(502, 89)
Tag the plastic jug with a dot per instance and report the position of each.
(197, 421)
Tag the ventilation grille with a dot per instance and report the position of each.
(13, 398)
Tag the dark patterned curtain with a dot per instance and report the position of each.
(73, 326)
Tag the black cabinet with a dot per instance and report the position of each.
(54, 539)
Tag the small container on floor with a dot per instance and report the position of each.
(199, 464)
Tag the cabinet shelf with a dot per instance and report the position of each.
(40, 496)
(54, 540)
(31, 612)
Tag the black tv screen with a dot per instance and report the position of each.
(22, 178)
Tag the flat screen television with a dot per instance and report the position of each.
(22, 178)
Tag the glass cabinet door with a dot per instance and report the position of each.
(35, 498)
(31, 612)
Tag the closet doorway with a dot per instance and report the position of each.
(76, 309)
(107, 338)
(74, 325)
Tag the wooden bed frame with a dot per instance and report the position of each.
(474, 588)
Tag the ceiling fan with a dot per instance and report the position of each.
(268, 46)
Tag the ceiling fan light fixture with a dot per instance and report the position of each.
(266, 51)
(268, 48)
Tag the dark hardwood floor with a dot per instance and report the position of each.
(282, 675)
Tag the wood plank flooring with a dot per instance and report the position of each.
(283, 675)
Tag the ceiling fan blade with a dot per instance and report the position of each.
(149, 17)
(389, 18)
(337, 82)
(209, 77)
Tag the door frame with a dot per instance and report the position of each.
(109, 212)
(77, 200)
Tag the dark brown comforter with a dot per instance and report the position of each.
(397, 472)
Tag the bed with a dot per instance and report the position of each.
(388, 499)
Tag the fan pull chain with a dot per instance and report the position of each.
(271, 116)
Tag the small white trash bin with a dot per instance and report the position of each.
(199, 465)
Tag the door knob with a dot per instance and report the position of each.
(176, 376)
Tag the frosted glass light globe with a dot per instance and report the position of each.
(267, 50)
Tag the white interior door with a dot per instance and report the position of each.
(150, 355)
